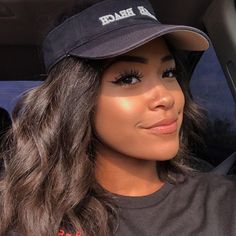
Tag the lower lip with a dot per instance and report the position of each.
(164, 129)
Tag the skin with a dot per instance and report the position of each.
(128, 151)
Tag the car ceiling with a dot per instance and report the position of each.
(24, 24)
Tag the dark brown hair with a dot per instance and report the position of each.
(49, 179)
(48, 172)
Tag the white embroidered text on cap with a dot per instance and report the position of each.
(107, 19)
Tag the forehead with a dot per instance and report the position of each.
(156, 50)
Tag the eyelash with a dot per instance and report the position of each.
(128, 75)
(133, 73)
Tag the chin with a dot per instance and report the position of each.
(167, 156)
(162, 153)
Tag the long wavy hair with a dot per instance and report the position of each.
(49, 179)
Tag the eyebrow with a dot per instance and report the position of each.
(136, 59)
(167, 58)
(127, 58)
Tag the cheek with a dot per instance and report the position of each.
(178, 97)
(116, 117)
(116, 124)
(180, 101)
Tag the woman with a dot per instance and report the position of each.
(99, 147)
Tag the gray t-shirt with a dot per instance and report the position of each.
(203, 204)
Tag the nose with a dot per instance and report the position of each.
(161, 98)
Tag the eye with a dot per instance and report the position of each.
(170, 73)
(128, 78)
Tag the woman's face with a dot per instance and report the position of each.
(140, 104)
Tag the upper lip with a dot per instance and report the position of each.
(162, 123)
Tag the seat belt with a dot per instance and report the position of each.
(224, 167)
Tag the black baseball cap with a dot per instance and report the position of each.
(113, 27)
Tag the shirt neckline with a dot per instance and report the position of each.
(133, 202)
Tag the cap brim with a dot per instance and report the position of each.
(125, 39)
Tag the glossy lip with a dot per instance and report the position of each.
(166, 126)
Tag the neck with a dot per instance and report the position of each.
(125, 175)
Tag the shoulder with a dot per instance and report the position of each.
(209, 186)
(211, 180)
(206, 202)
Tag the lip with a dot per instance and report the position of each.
(166, 126)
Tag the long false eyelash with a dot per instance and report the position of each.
(128, 74)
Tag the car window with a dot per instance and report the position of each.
(11, 90)
(210, 89)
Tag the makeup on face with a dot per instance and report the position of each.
(140, 105)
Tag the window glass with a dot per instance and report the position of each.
(11, 90)
(210, 89)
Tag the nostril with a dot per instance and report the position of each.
(162, 102)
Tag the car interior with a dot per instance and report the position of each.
(24, 24)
